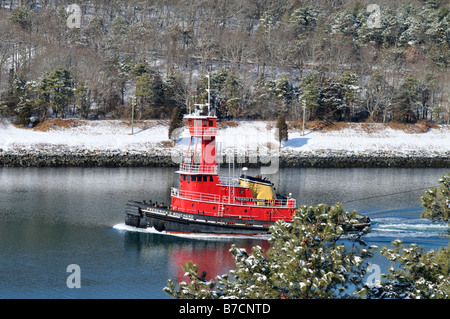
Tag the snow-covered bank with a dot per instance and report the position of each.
(110, 143)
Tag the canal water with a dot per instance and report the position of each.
(51, 218)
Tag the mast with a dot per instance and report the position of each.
(203, 128)
(209, 93)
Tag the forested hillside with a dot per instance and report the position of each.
(342, 60)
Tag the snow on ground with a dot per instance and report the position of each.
(359, 141)
(114, 135)
(95, 135)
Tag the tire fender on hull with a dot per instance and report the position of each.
(159, 225)
(135, 217)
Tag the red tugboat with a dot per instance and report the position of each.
(209, 204)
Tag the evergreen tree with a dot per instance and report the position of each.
(305, 260)
(81, 97)
(331, 103)
(303, 19)
(119, 27)
(21, 99)
(282, 90)
(406, 100)
(149, 92)
(21, 15)
(139, 69)
(176, 121)
(43, 98)
(28, 105)
(174, 91)
(350, 89)
(311, 92)
(60, 89)
(418, 274)
(15, 91)
(232, 95)
(157, 99)
(436, 201)
(282, 129)
(96, 32)
(143, 92)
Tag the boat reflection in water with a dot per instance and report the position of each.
(212, 259)
(211, 253)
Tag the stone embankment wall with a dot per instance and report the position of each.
(164, 158)
(337, 159)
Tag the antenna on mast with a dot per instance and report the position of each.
(209, 93)
(201, 106)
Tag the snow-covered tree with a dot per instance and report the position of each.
(266, 22)
(305, 260)
(436, 201)
(406, 100)
(304, 19)
(406, 24)
(310, 88)
(284, 91)
(21, 15)
(415, 273)
(60, 90)
(350, 89)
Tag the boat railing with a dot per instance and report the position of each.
(198, 168)
(229, 180)
(217, 199)
(202, 131)
(198, 196)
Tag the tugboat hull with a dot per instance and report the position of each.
(142, 215)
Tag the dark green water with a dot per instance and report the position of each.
(51, 218)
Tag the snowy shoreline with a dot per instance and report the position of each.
(110, 144)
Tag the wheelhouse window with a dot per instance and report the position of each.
(197, 178)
